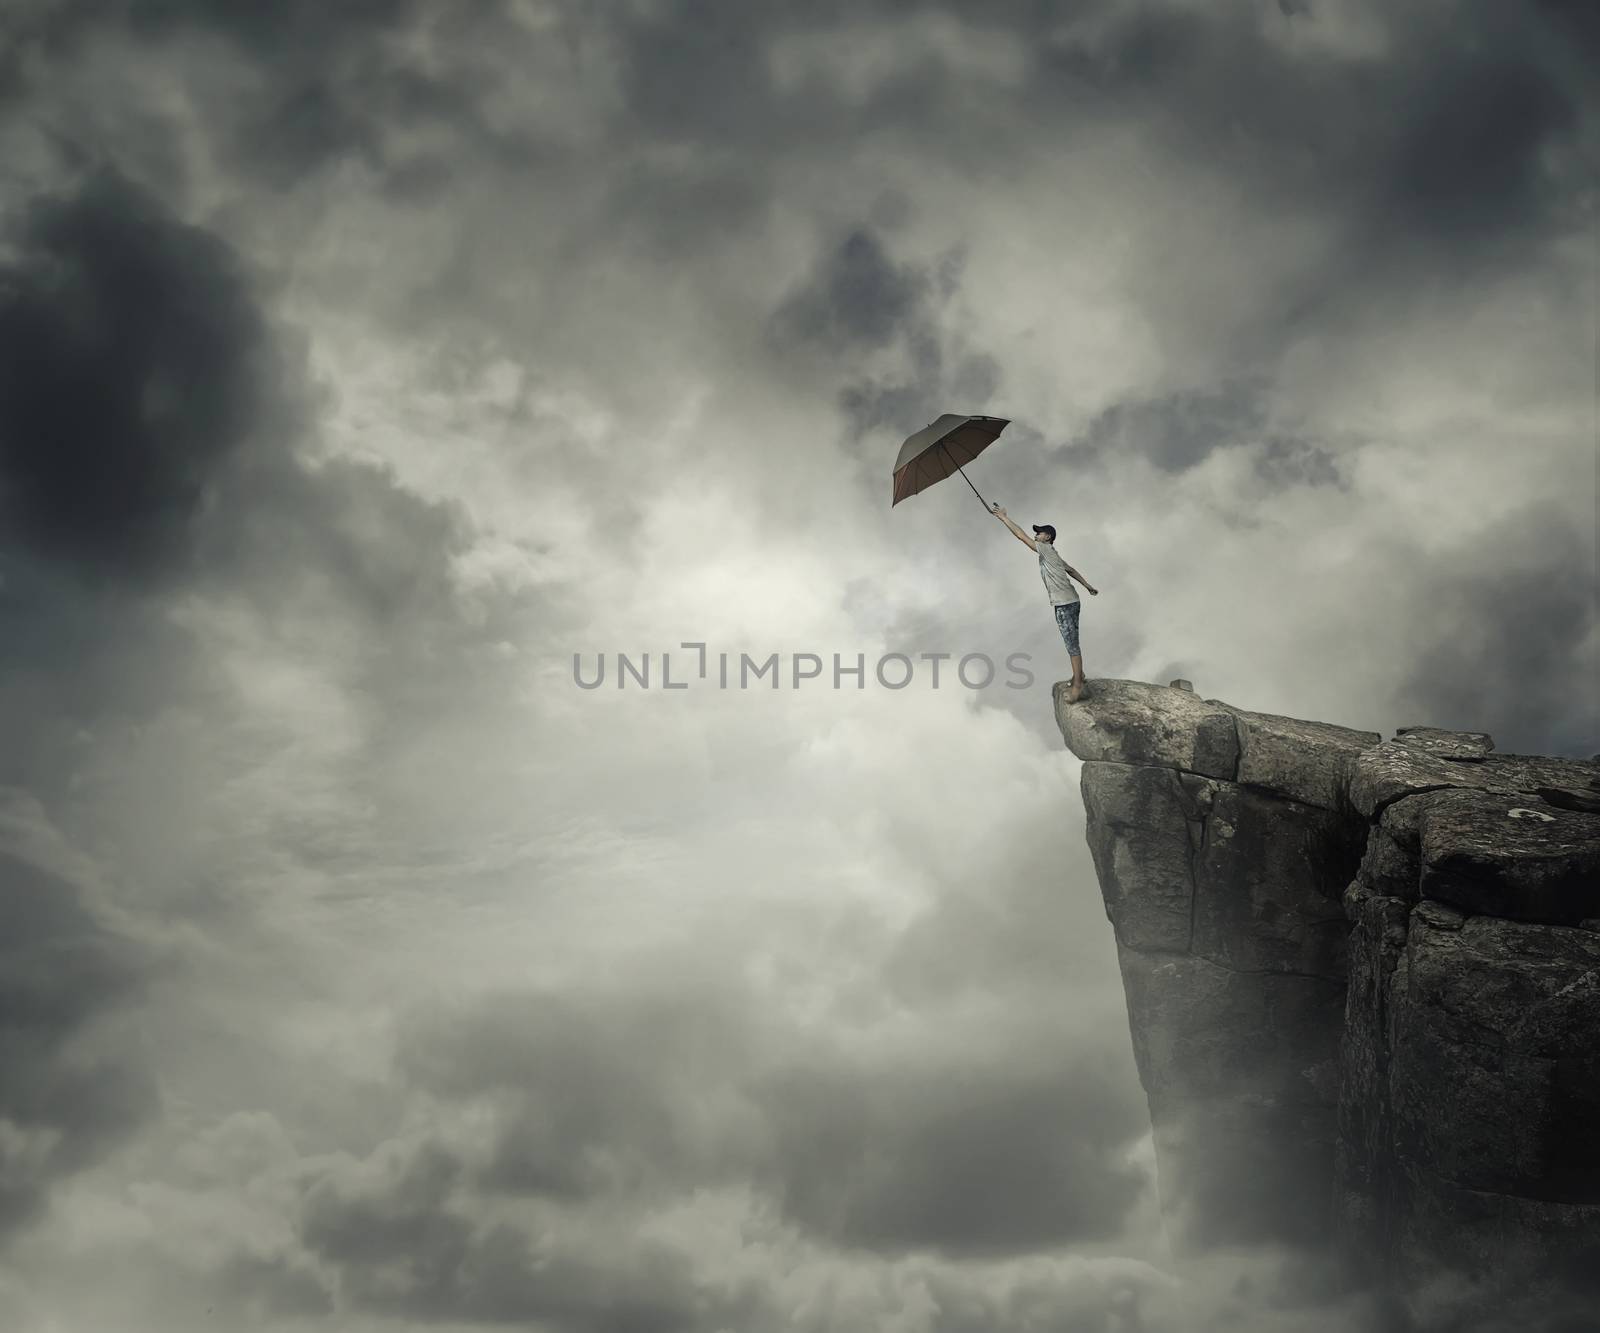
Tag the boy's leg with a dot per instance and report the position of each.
(1067, 619)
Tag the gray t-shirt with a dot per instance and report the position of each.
(1053, 570)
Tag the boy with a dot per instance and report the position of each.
(1063, 596)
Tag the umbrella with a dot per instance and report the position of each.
(939, 449)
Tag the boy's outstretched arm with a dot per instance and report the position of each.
(1081, 579)
(1020, 534)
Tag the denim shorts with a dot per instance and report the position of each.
(1067, 623)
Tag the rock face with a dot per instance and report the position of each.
(1363, 984)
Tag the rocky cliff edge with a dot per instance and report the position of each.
(1363, 982)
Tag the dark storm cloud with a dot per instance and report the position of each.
(1180, 430)
(697, 69)
(290, 30)
(1460, 160)
(1440, 143)
(336, 91)
(270, 1284)
(1577, 21)
(997, 1154)
(1499, 646)
(891, 402)
(1467, 167)
(1459, 151)
(404, 1242)
(1434, 154)
(595, 1091)
(1457, 154)
(1290, 460)
(651, 1094)
(674, 211)
(151, 419)
(333, 87)
(400, 1210)
(67, 1094)
(75, 658)
(985, 1156)
(857, 300)
(136, 361)
(1174, 431)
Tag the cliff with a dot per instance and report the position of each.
(1363, 984)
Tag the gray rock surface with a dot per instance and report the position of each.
(1365, 1187)
(1363, 984)
(1571, 798)
(1308, 761)
(1130, 722)
(1467, 746)
(1144, 827)
(1391, 770)
(1386, 772)
(1226, 900)
(1493, 1093)
(1267, 884)
(1510, 856)
(1391, 864)
(1242, 1106)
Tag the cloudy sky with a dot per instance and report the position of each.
(365, 363)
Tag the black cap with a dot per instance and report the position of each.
(1045, 527)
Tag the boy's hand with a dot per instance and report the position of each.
(999, 512)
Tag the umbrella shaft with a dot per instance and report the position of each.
(964, 476)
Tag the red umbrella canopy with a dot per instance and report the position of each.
(939, 449)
